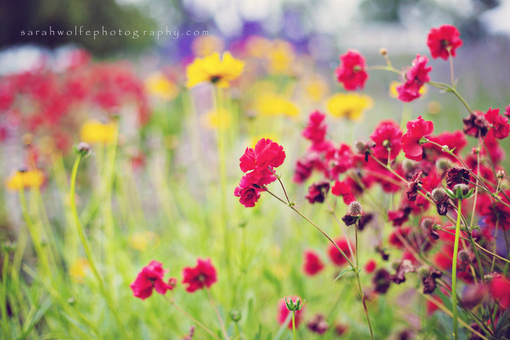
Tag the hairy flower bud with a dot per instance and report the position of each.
(360, 145)
(439, 195)
(83, 149)
(427, 223)
(464, 255)
(464, 188)
(235, 315)
(354, 209)
(501, 174)
(442, 164)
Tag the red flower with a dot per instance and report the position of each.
(312, 263)
(370, 266)
(411, 141)
(476, 124)
(351, 72)
(387, 135)
(315, 131)
(248, 193)
(343, 189)
(283, 313)
(266, 153)
(151, 277)
(500, 289)
(442, 39)
(336, 257)
(416, 76)
(340, 160)
(203, 275)
(500, 126)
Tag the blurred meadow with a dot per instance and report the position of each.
(158, 183)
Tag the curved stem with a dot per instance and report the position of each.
(446, 87)
(86, 247)
(454, 274)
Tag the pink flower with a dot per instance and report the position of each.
(412, 140)
(312, 263)
(151, 277)
(442, 39)
(500, 126)
(416, 76)
(283, 313)
(203, 275)
(351, 72)
(387, 135)
(248, 193)
(266, 153)
(315, 131)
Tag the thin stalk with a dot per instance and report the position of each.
(88, 252)
(220, 319)
(342, 228)
(294, 325)
(6, 329)
(454, 275)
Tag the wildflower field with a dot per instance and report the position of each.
(252, 192)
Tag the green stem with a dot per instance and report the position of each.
(5, 317)
(454, 274)
(88, 252)
(294, 325)
(444, 86)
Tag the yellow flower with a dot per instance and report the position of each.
(211, 68)
(206, 45)
(217, 119)
(272, 104)
(160, 86)
(316, 88)
(350, 106)
(141, 240)
(94, 131)
(79, 269)
(393, 89)
(24, 179)
(280, 57)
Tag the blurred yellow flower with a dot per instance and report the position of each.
(160, 86)
(78, 270)
(141, 240)
(316, 88)
(93, 131)
(434, 107)
(272, 104)
(206, 45)
(24, 179)
(393, 89)
(257, 46)
(217, 119)
(211, 68)
(349, 105)
(280, 57)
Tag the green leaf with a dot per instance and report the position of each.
(350, 269)
(35, 318)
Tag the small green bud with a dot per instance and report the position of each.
(423, 272)
(235, 315)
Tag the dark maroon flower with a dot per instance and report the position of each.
(476, 125)
(317, 192)
(414, 186)
(381, 281)
(317, 324)
(364, 220)
(429, 282)
(457, 175)
(199, 277)
(406, 266)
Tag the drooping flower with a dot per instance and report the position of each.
(203, 275)
(476, 125)
(215, 70)
(151, 277)
(387, 138)
(412, 140)
(283, 313)
(248, 193)
(24, 178)
(335, 256)
(500, 126)
(349, 105)
(93, 132)
(416, 77)
(381, 281)
(351, 72)
(443, 41)
(312, 263)
(317, 192)
(414, 186)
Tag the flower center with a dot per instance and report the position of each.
(215, 79)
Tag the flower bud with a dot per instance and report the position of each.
(9, 247)
(423, 272)
(354, 209)
(464, 255)
(71, 301)
(427, 223)
(463, 188)
(235, 315)
(83, 149)
(408, 165)
(442, 164)
(500, 174)
(383, 51)
(439, 195)
(360, 145)
(172, 282)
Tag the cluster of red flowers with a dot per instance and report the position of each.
(258, 164)
(55, 100)
(203, 275)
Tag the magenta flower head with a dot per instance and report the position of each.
(412, 141)
(352, 71)
(201, 276)
(151, 277)
(443, 41)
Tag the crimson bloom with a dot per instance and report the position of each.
(351, 72)
(315, 131)
(343, 189)
(412, 140)
(266, 153)
(335, 256)
(500, 126)
(370, 266)
(312, 263)
(283, 313)
(151, 277)
(443, 41)
(416, 77)
(203, 275)
(247, 192)
(500, 289)
(386, 136)
(317, 192)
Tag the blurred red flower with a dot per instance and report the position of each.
(312, 263)
(283, 313)
(200, 276)
(443, 41)
(151, 277)
(335, 256)
(351, 72)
